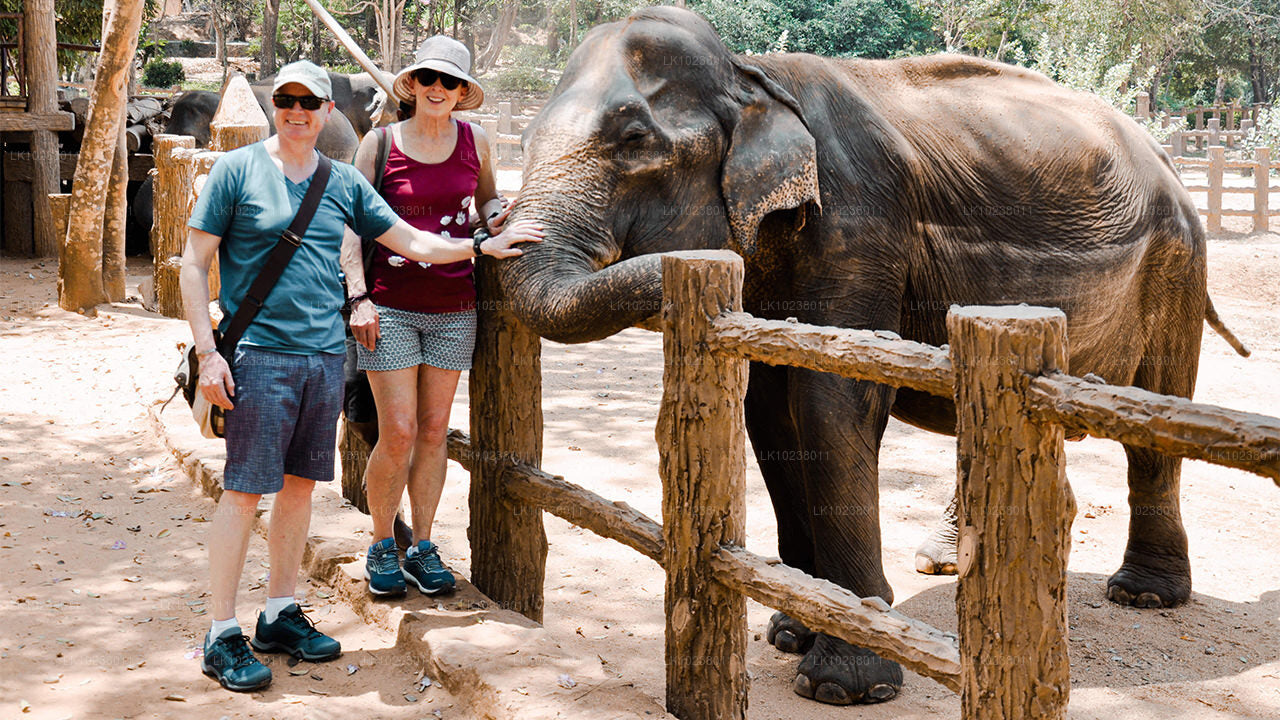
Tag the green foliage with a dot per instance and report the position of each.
(520, 80)
(836, 28)
(1265, 134)
(1088, 67)
(163, 74)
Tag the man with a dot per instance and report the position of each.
(282, 391)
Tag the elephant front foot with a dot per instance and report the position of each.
(838, 673)
(1150, 585)
(788, 634)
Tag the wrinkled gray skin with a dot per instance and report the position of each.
(864, 194)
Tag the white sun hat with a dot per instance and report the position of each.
(442, 54)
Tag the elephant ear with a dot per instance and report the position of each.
(772, 160)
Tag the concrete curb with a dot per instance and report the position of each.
(501, 664)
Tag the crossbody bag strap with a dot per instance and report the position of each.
(384, 151)
(280, 256)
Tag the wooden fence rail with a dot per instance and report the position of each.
(1005, 369)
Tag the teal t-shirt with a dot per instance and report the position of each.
(247, 201)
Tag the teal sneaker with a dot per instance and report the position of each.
(423, 568)
(229, 660)
(382, 569)
(293, 633)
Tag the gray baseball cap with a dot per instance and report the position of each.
(307, 74)
(442, 54)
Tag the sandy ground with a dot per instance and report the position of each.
(92, 631)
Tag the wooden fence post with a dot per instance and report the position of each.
(508, 544)
(1015, 512)
(201, 164)
(170, 212)
(41, 65)
(1179, 142)
(239, 120)
(1215, 132)
(1143, 106)
(702, 451)
(1262, 189)
(1217, 163)
(504, 127)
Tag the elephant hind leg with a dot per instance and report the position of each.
(1156, 571)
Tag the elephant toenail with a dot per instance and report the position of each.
(882, 692)
(1149, 600)
(802, 687)
(832, 694)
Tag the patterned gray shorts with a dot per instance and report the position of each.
(407, 339)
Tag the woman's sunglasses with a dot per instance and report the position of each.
(427, 78)
(308, 102)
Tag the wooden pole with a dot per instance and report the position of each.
(239, 120)
(170, 212)
(1215, 131)
(383, 81)
(1015, 513)
(508, 544)
(114, 219)
(1262, 189)
(1217, 160)
(41, 66)
(1143, 106)
(80, 273)
(702, 461)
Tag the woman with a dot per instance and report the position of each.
(416, 326)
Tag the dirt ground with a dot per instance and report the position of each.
(100, 537)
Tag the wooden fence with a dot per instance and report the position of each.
(1215, 166)
(504, 130)
(1005, 369)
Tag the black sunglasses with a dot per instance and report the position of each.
(427, 78)
(308, 102)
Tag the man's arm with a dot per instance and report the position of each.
(215, 376)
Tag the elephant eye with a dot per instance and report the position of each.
(634, 133)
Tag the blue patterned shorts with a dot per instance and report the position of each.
(407, 339)
(285, 420)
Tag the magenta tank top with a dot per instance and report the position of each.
(433, 197)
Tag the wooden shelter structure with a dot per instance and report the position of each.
(29, 114)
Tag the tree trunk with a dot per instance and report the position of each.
(218, 15)
(80, 272)
(113, 251)
(501, 31)
(317, 56)
(270, 26)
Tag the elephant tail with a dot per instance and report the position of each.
(1215, 322)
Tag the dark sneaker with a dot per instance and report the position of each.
(229, 660)
(382, 568)
(293, 633)
(424, 569)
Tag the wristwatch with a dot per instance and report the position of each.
(477, 238)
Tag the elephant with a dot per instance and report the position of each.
(869, 194)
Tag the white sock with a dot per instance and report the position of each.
(275, 605)
(221, 626)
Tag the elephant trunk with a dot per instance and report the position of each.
(565, 288)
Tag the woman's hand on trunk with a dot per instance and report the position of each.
(503, 244)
